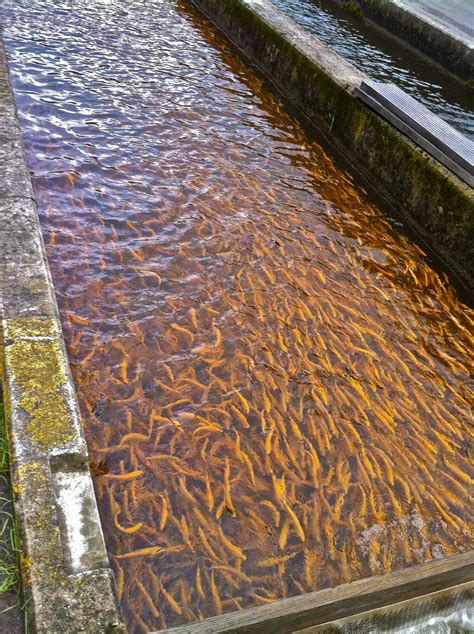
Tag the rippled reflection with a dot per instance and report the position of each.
(273, 381)
(386, 59)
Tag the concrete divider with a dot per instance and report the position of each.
(431, 35)
(437, 205)
(67, 583)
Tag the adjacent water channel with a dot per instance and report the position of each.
(384, 58)
(274, 382)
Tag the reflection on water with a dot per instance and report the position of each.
(273, 381)
(386, 59)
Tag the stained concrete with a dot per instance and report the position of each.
(11, 614)
(67, 582)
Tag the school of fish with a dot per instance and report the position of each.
(275, 384)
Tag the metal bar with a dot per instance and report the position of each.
(434, 135)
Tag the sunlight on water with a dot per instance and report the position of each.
(274, 382)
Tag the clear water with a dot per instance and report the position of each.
(274, 383)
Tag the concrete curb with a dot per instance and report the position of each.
(436, 204)
(448, 49)
(67, 582)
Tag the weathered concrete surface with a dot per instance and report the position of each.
(431, 27)
(434, 202)
(67, 582)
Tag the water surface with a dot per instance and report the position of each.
(274, 383)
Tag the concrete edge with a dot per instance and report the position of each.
(452, 51)
(432, 201)
(68, 585)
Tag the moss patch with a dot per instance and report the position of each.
(353, 8)
(36, 366)
(44, 551)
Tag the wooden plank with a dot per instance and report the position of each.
(405, 614)
(296, 613)
(429, 131)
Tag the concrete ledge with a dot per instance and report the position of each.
(437, 205)
(67, 582)
(449, 49)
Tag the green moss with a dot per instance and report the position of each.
(36, 366)
(30, 327)
(353, 8)
(359, 127)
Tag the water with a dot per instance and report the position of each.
(274, 383)
(386, 59)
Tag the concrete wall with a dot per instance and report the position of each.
(434, 202)
(67, 583)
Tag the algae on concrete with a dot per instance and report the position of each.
(39, 377)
